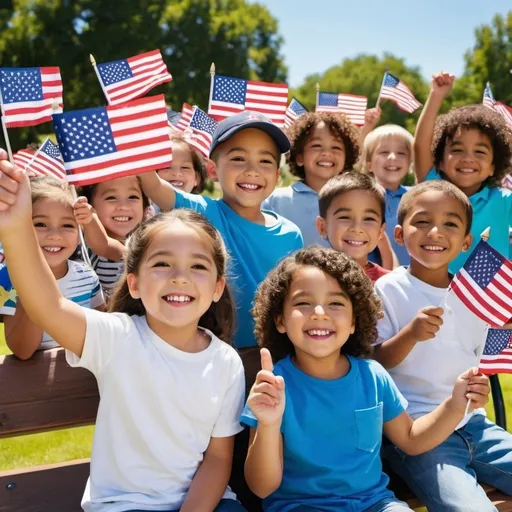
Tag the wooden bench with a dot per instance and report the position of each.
(45, 394)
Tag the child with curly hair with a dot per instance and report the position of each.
(471, 147)
(316, 445)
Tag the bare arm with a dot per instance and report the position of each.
(100, 243)
(264, 463)
(423, 159)
(387, 254)
(22, 335)
(212, 477)
(158, 190)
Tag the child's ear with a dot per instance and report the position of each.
(399, 235)
(468, 240)
(211, 169)
(382, 231)
(299, 160)
(219, 289)
(279, 324)
(321, 227)
(133, 286)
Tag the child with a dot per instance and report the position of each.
(387, 155)
(108, 212)
(57, 235)
(472, 148)
(245, 151)
(323, 145)
(427, 337)
(317, 417)
(171, 390)
(187, 172)
(351, 219)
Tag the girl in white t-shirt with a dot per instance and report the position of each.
(57, 236)
(171, 390)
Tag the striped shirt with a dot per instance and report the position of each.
(108, 271)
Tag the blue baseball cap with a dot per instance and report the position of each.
(249, 119)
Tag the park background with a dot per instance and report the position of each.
(344, 46)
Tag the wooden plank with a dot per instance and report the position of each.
(57, 487)
(45, 393)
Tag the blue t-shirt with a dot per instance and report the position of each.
(332, 434)
(492, 207)
(393, 198)
(254, 249)
(298, 203)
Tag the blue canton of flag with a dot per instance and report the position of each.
(328, 99)
(497, 341)
(488, 99)
(390, 81)
(51, 149)
(23, 84)
(229, 90)
(497, 356)
(201, 129)
(84, 134)
(113, 72)
(202, 121)
(293, 112)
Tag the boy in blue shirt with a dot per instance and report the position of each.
(246, 150)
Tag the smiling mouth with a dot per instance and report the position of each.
(354, 243)
(433, 248)
(392, 168)
(319, 334)
(122, 219)
(52, 249)
(249, 187)
(177, 183)
(466, 170)
(178, 299)
(326, 165)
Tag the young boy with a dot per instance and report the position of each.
(425, 337)
(246, 150)
(352, 208)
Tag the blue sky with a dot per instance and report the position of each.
(433, 34)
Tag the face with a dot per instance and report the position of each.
(181, 174)
(467, 160)
(177, 279)
(317, 314)
(118, 204)
(57, 231)
(324, 155)
(247, 168)
(353, 224)
(390, 161)
(434, 230)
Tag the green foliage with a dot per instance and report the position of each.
(241, 38)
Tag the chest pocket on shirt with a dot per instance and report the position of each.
(369, 427)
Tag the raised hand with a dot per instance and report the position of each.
(15, 197)
(427, 322)
(470, 386)
(83, 211)
(372, 117)
(267, 398)
(442, 83)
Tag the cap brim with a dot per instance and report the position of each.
(277, 135)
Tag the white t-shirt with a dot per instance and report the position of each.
(80, 284)
(427, 375)
(158, 410)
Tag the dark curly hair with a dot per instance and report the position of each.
(484, 120)
(339, 126)
(272, 292)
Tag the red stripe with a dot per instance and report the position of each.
(138, 129)
(496, 298)
(156, 110)
(116, 87)
(142, 143)
(32, 122)
(109, 176)
(55, 83)
(135, 58)
(267, 84)
(50, 70)
(138, 101)
(138, 92)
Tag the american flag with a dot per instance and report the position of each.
(351, 105)
(29, 96)
(395, 90)
(103, 143)
(497, 355)
(184, 121)
(127, 79)
(483, 284)
(488, 99)
(46, 161)
(505, 112)
(293, 112)
(233, 95)
(200, 131)
(507, 182)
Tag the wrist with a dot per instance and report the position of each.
(436, 96)
(16, 232)
(269, 428)
(454, 408)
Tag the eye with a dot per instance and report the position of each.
(267, 161)
(421, 222)
(385, 152)
(161, 264)
(301, 303)
(451, 224)
(110, 198)
(338, 148)
(370, 219)
(39, 225)
(401, 153)
(316, 146)
(135, 197)
(69, 226)
(343, 217)
(199, 266)
(337, 303)
(238, 159)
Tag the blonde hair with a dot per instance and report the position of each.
(48, 187)
(375, 136)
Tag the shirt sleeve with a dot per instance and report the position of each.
(247, 418)
(97, 298)
(433, 174)
(393, 401)
(388, 325)
(192, 201)
(227, 423)
(104, 332)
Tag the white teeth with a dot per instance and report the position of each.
(354, 242)
(434, 248)
(319, 332)
(466, 171)
(177, 183)
(52, 249)
(177, 298)
(121, 219)
(249, 186)
(392, 168)
(325, 164)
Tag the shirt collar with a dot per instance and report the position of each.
(481, 195)
(400, 191)
(300, 186)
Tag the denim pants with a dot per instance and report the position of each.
(445, 478)
(386, 505)
(223, 506)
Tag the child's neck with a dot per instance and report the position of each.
(439, 278)
(331, 367)
(60, 270)
(187, 338)
(252, 214)
(315, 183)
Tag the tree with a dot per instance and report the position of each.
(241, 38)
(363, 75)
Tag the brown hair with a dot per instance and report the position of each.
(220, 317)
(272, 292)
(48, 187)
(338, 125)
(197, 163)
(486, 121)
(346, 182)
(437, 185)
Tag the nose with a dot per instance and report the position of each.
(179, 275)
(356, 225)
(392, 156)
(434, 233)
(319, 312)
(54, 234)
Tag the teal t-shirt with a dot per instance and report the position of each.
(492, 207)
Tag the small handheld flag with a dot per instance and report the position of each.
(46, 161)
(488, 99)
(497, 355)
(499, 107)
(395, 90)
(352, 105)
(200, 131)
(295, 110)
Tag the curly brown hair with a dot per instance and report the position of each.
(484, 120)
(339, 126)
(272, 292)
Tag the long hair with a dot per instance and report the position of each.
(220, 316)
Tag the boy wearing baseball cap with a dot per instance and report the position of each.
(246, 151)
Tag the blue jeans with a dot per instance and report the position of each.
(385, 505)
(223, 506)
(445, 478)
